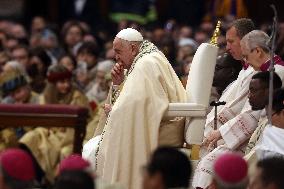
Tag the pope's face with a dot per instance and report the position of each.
(124, 52)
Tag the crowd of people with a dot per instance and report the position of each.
(126, 78)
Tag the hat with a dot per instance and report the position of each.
(12, 80)
(17, 164)
(130, 34)
(73, 162)
(58, 72)
(230, 169)
(15, 65)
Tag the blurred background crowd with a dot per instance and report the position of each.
(60, 51)
(78, 34)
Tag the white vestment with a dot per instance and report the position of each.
(134, 126)
(236, 123)
(271, 143)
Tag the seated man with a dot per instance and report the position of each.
(272, 141)
(269, 174)
(15, 89)
(235, 128)
(136, 124)
(262, 123)
(235, 97)
(167, 168)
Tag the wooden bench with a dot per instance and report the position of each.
(21, 115)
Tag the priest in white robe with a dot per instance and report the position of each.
(234, 96)
(135, 125)
(272, 140)
(236, 120)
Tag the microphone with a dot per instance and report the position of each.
(217, 103)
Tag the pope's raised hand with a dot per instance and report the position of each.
(117, 74)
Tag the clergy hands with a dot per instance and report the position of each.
(212, 139)
(117, 74)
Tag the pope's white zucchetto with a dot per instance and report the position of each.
(130, 34)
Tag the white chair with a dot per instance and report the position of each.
(198, 90)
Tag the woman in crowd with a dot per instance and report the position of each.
(50, 145)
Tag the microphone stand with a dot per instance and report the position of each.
(271, 66)
(216, 104)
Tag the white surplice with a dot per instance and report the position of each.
(271, 143)
(236, 123)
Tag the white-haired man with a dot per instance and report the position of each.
(237, 120)
(135, 125)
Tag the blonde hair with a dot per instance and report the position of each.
(51, 94)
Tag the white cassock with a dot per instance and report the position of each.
(271, 143)
(236, 123)
(136, 124)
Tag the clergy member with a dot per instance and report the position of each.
(136, 125)
(236, 127)
(272, 140)
(235, 97)
(230, 171)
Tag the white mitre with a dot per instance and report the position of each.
(130, 34)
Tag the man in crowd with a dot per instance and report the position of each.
(269, 174)
(230, 172)
(87, 59)
(135, 125)
(16, 170)
(21, 54)
(271, 142)
(15, 89)
(167, 168)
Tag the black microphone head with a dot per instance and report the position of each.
(222, 103)
(212, 103)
